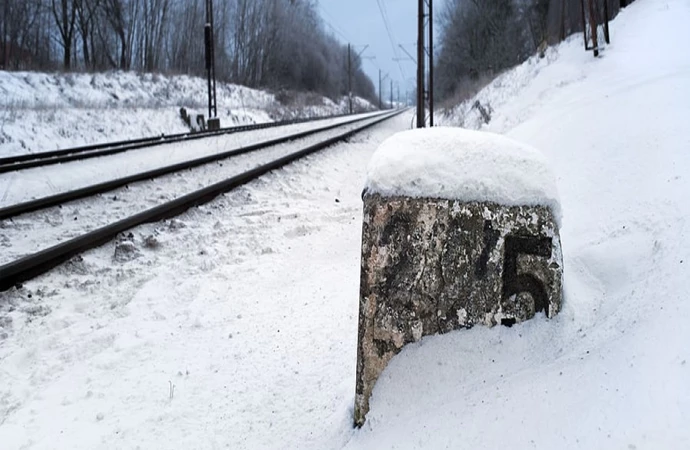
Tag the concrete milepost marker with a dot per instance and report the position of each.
(460, 228)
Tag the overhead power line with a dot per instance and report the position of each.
(337, 30)
(384, 16)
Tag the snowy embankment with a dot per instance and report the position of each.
(41, 112)
(613, 370)
(240, 329)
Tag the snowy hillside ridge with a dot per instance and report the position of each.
(44, 111)
(117, 90)
(506, 87)
(466, 165)
(131, 89)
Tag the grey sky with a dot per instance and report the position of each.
(360, 22)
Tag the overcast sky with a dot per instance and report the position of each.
(360, 22)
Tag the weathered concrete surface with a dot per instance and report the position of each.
(213, 124)
(430, 266)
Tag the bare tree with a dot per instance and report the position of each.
(276, 44)
(86, 14)
(185, 55)
(479, 38)
(65, 15)
(153, 28)
(20, 23)
(122, 15)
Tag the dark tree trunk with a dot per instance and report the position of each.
(87, 54)
(67, 59)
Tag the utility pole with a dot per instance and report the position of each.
(422, 92)
(607, 35)
(591, 16)
(380, 89)
(349, 75)
(349, 71)
(382, 78)
(431, 62)
(391, 93)
(210, 61)
(593, 26)
(420, 65)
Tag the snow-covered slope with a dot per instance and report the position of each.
(41, 112)
(239, 331)
(613, 370)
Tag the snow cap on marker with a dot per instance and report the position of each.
(466, 165)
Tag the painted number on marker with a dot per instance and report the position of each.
(514, 283)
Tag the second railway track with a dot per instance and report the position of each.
(87, 223)
(67, 195)
(31, 160)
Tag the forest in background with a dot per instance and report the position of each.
(274, 44)
(481, 38)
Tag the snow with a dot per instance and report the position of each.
(39, 182)
(460, 164)
(213, 310)
(33, 232)
(613, 369)
(249, 304)
(44, 111)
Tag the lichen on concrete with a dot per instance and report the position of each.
(430, 266)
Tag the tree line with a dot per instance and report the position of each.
(481, 38)
(276, 44)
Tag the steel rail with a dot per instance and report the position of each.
(23, 162)
(30, 266)
(11, 211)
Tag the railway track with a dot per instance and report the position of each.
(17, 209)
(28, 161)
(277, 153)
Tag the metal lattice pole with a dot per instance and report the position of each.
(420, 65)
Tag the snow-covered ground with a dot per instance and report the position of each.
(41, 112)
(242, 307)
(239, 329)
(33, 232)
(613, 370)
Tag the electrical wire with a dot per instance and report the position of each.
(337, 30)
(384, 16)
